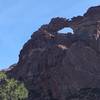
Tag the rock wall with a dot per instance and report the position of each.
(56, 66)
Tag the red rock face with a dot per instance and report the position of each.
(56, 66)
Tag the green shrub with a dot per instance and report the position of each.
(11, 89)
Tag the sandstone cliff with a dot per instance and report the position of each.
(62, 66)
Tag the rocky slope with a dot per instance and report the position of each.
(62, 66)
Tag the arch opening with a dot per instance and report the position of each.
(66, 30)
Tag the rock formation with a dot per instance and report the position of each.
(62, 66)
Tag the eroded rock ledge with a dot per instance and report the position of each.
(55, 65)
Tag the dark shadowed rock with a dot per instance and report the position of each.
(58, 66)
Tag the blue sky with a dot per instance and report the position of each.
(20, 18)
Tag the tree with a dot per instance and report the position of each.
(11, 89)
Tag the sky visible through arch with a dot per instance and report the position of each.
(20, 18)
